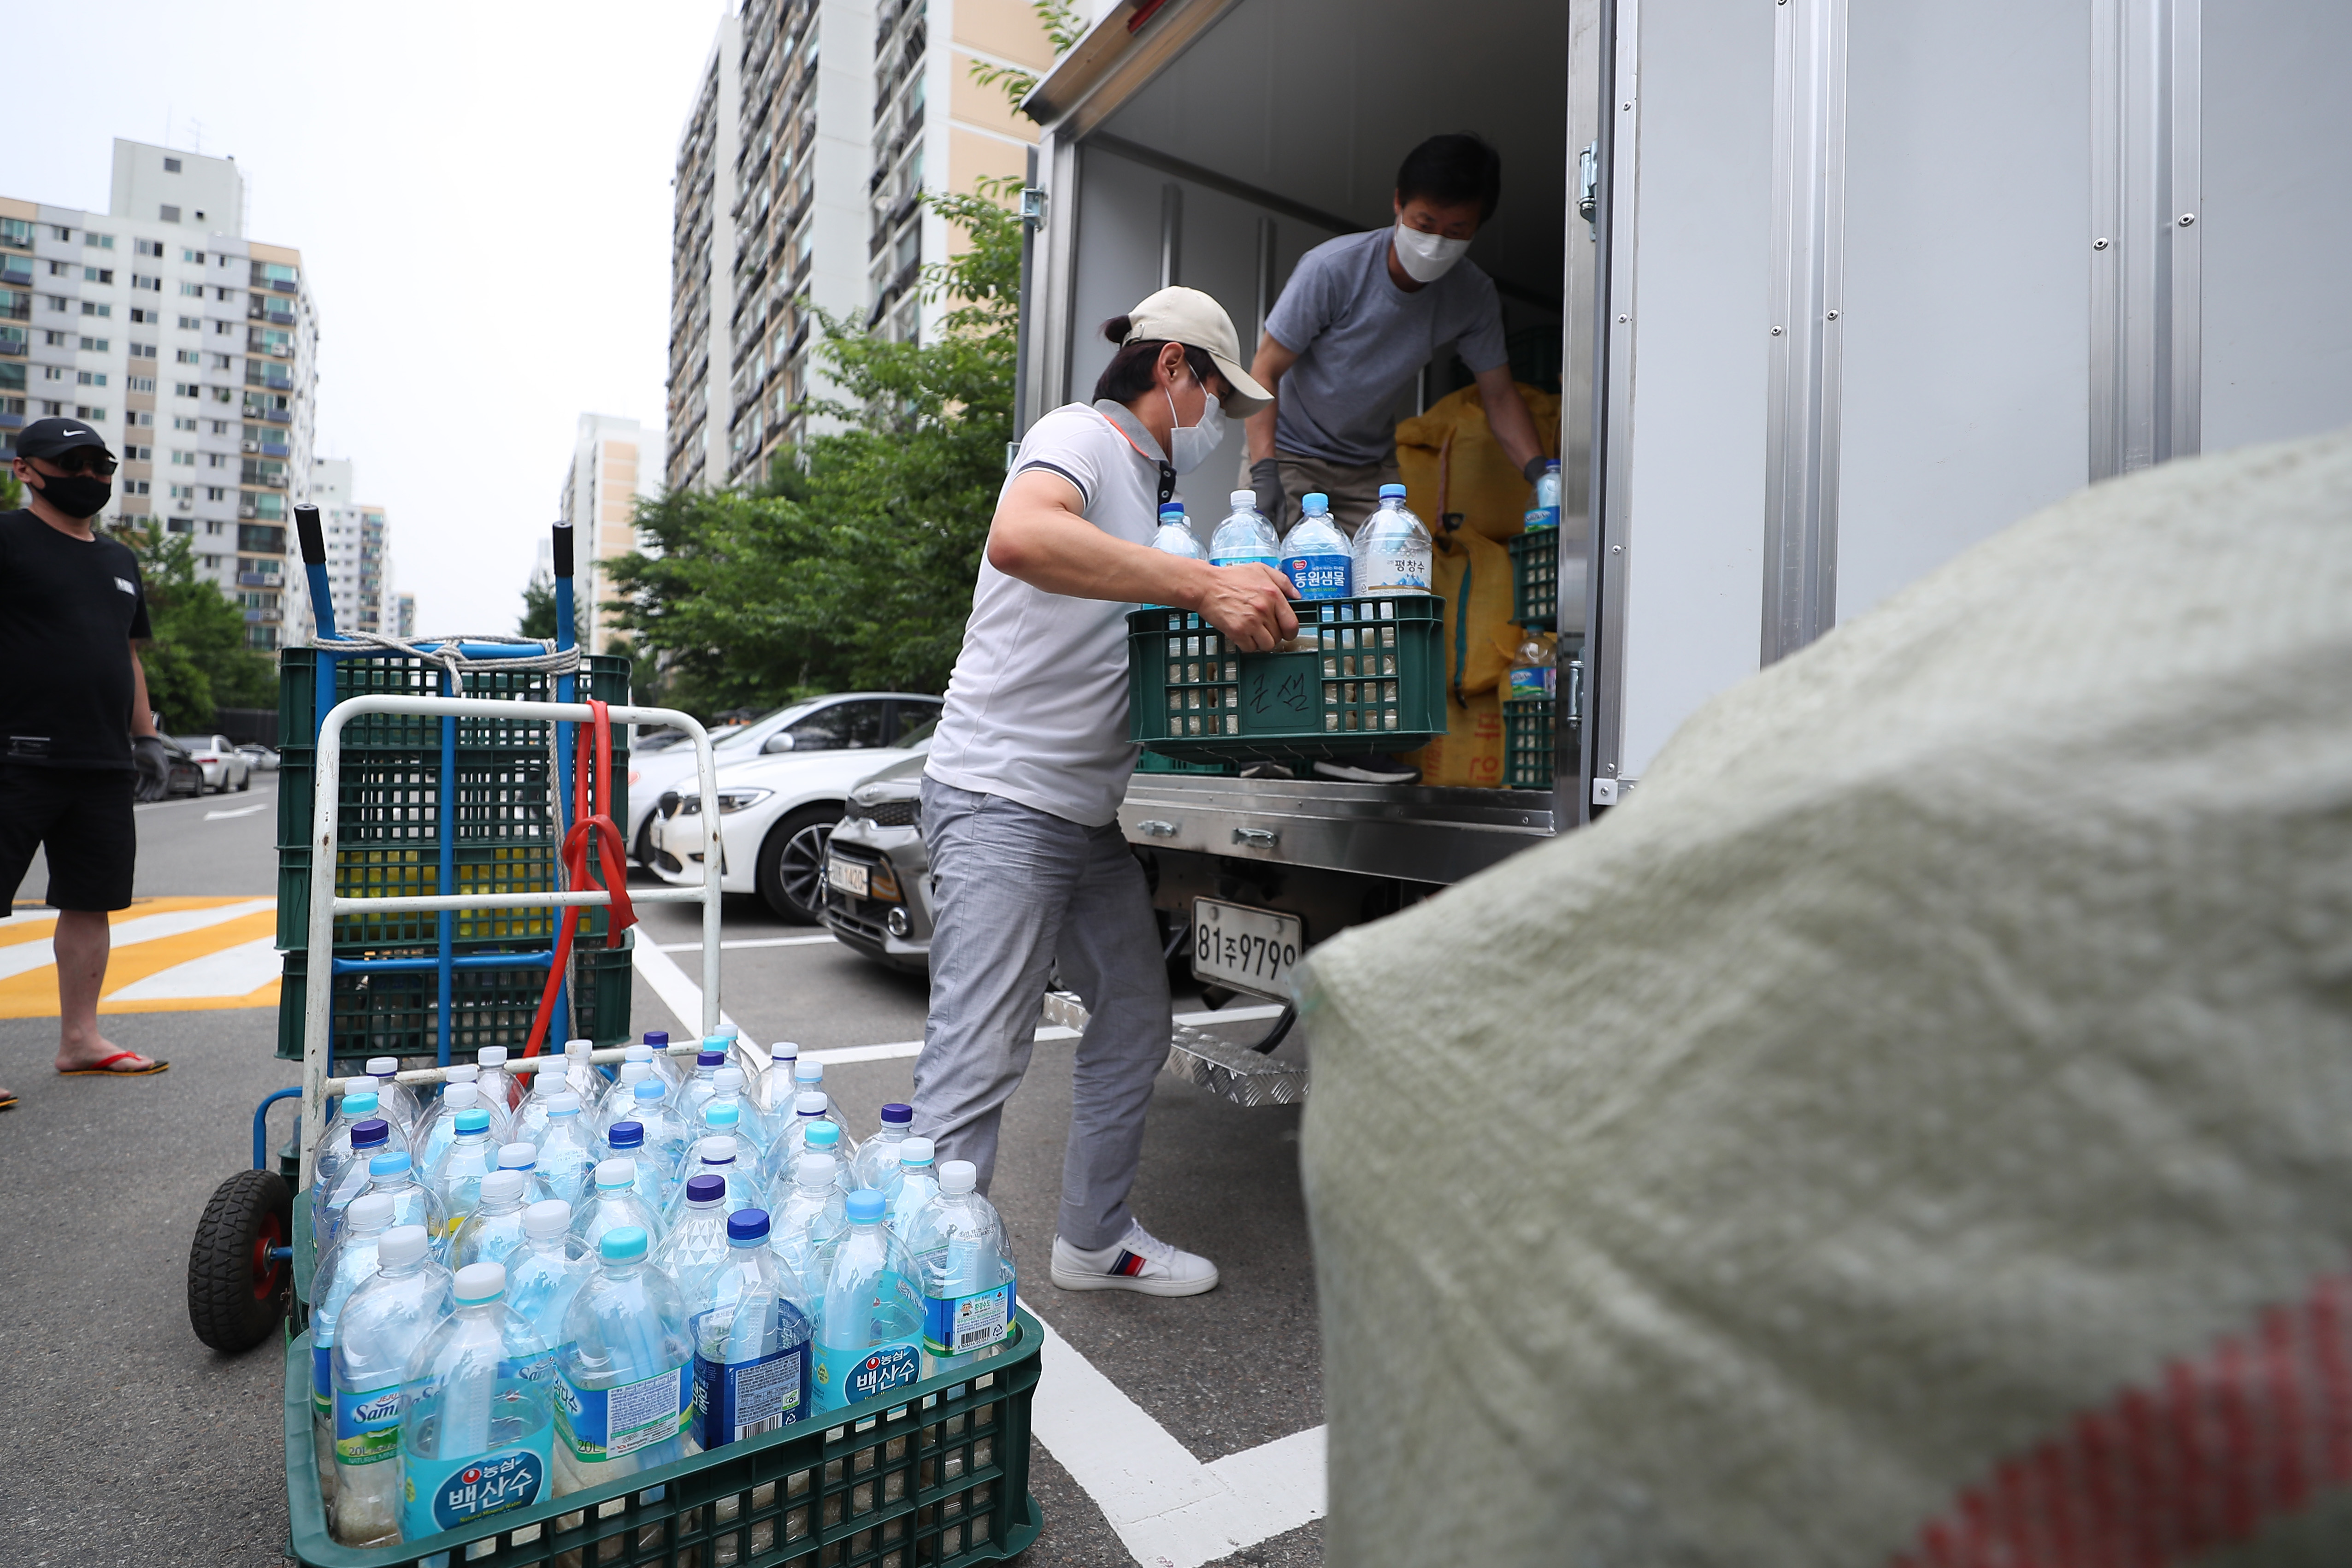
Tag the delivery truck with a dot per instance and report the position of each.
(1830, 293)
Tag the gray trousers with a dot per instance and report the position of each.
(1017, 888)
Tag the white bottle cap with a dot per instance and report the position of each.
(958, 1177)
(783, 1051)
(1241, 499)
(547, 1219)
(517, 1156)
(502, 1185)
(729, 1080)
(363, 1083)
(491, 1055)
(401, 1243)
(384, 1067)
(616, 1173)
(463, 1072)
(914, 1151)
(635, 1073)
(718, 1150)
(809, 1103)
(369, 1212)
(578, 1048)
(564, 1104)
(638, 1053)
(726, 1031)
(816, 1171)
(462, 1096)
(807, 1073)
(479, 1282)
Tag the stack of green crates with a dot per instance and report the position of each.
(388, 843)
(1535, 579)
(1529, 724)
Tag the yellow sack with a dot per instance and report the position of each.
(1472, 575)
(1450, 461)
(1470, 753)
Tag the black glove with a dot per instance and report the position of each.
(1533, 466)
(1266, 478)
(147, 754)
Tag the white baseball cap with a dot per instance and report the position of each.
(1189, 317)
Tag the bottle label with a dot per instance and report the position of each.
(322, 1382)
(854, 1376)
(1317, 576)
(957, 1325)
(1540, 517)
(600, 1424)
(738, 1399)
(444, 1494)
(1268, 560)
(367, 1426)
(1531, 683)
(1396, 571)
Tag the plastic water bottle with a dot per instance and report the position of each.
(440, 1128)
(808, 1077)
(567, 1153)
(666, 1068)
(750, 1122)
(751, 1325)
(613, 1205)
(745, 1059)
(666, 1136)
(362, 1098)
(501, 1092)
(815, 1137)
(917, 1185)
(809, 1113)
(398, 1104)
(493, 1232)
(343, 1267)
(1392, 548)
(877, 1165)
(413, 1203)
(809, 1221)
(702, 1083)
(1534, 672)
(543, 1276)
(1245, 537)
(697, 1234)
(1175, 537)
(871, 1325)
(628, 1141)
(477, 1427)
(455, 1178)
(1316, 556)
(620, 1101)
(624, 1379)
(958, 1243)
(382, 1323)
(339, 1173)
(737, 1180)
(576, 1075)
(776, 1089)
(1545, 513)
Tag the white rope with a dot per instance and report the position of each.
(445, 652)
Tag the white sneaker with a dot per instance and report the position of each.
(1141, 1262)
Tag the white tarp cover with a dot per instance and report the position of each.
(1916, 1129)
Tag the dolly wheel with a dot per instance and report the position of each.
(237, 1290)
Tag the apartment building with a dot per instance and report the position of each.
(358, 556)
(193, 348)
(611, 467)
(404, 615)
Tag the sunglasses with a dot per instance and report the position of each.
(90, 463)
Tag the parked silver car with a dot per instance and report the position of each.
(877, 886)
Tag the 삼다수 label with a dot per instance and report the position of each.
(367, 1426)
(957, 1325)
(601, 1423)
(439, 1495)
(1317, 576)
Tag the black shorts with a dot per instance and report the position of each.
(82, 818)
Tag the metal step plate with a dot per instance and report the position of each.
(1228, 1072)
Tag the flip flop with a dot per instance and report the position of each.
(107, 1068)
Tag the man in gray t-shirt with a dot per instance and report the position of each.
(1360, 317)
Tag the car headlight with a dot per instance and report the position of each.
(731, 800)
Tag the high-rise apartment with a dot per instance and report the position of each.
(359, 558)
(612, 467)
(191, 347)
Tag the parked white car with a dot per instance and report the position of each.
(846, 721)
(226, 768)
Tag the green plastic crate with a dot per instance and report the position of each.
(1153, 763)
(1535, 579)
(393, 1015)
(604, 677)
(387, 872)
(1527, 742)
(939, 1479)
(1376, 681)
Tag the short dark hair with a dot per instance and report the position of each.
(1129, 374)
(1451, 169)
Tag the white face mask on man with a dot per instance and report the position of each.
(1426, 258)
(1189, 445)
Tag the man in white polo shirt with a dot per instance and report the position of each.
(1030, 759)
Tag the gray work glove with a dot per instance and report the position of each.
(1266, 478)
(1533, 466)
(147, 755)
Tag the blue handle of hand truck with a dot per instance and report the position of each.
(262, 1126)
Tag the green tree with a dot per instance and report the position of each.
(539, 612)
(198, 660)
(1065, 26)
(12, 492)
(852, 565)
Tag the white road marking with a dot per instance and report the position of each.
(891, 1049)
(747, 941)
(1170, 1510)
(27, 956)
(232, 971)
(680, 993)
(240, 811)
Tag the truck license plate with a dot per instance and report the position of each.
(1234, 944)
(846, 876)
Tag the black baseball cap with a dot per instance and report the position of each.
(47, 438)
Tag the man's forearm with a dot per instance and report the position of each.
(1259, 430)
(1507, 417)
(142, 712)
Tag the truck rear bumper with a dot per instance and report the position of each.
(1408, 832)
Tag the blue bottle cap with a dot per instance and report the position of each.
(897, 1114)
(705, 1189)
(368, 1133)
(657, 1039)
(1168, 508)
(720, 1116)
(823, 1135)
(747, 1228)
(626, 1134)
(1315, 503)
(392, 1163)
(1551, 465)
(865, 1206)
(706, 1057)
(649, 1089)
(1392, 490)
(360, 1105)
(623, 1243)
(474, 1120)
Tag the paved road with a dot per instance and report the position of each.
(129, 1442)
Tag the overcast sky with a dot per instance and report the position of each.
(481, 196)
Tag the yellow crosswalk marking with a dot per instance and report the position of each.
(152, 937)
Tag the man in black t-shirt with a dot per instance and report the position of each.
(73, 718)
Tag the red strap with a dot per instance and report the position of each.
(599, 829)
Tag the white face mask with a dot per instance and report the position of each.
(1426, 258)
(1189, 445)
